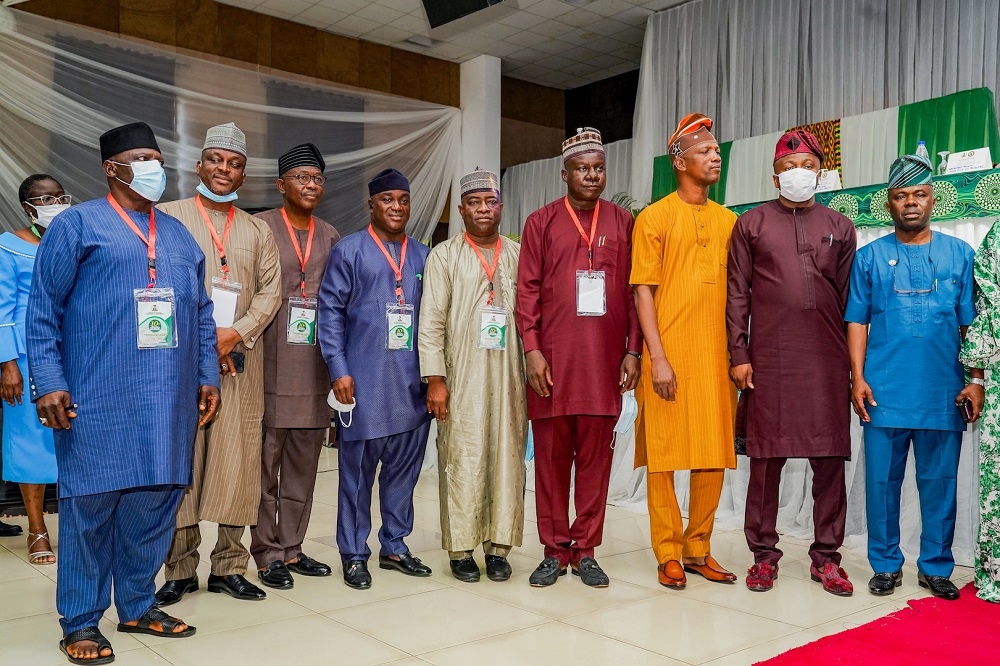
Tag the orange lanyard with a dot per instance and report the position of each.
(219, 245)
(150, 244)
(397, 269)
(593, 230)
(298, 249)
(490, 270)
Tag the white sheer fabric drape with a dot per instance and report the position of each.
(761, 66)
(61, 86)
(529, 186)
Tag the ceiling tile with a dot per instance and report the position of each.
(386, 34)
(447, 51)
(379, 13)
(349, 6)
(522, 20)
(550, 8)
(412, 24)
(555, 62)
(606, 27)
(551, 29)
(581, 18)
(319, 16)
(353, 25)
(497, 30)
(659, 5)
(526, 38)
(634, 16)
(405, 6)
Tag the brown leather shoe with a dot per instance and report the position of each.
(711, 570)
(671, 574)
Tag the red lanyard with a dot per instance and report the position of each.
(219, 245)
(490, 270)
(397, 269)
(150, 244)
(593, 229)
(298, 249)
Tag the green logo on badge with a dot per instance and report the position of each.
(155, 325)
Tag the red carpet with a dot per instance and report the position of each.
(930, 631)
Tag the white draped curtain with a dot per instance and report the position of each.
(762, 66)
(62, 86)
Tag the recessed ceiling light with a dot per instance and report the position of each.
(422, 41)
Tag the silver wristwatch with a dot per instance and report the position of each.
(977, 381)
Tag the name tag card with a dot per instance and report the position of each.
(399, 330)
(590, 294)
(492, 328)
(970, 160)
(301, 321)
(154, 316)
(225, 294)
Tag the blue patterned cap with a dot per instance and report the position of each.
(910, 170)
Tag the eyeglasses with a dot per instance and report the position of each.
(908, 292)
(305, 178)
(49, 200)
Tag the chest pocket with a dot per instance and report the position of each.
(828, 255)
(184, 279)
(944, 301)
(606, 256)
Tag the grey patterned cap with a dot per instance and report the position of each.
(226, 137)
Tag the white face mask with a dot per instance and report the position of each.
(44, 214)
(630, 411)
(331, 400)
(149, 180)
(798, 185)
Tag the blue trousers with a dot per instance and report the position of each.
(401, 456)
(121, 536)
(935, 454)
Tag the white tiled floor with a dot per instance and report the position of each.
(438, 620)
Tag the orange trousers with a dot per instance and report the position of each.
(670, 540)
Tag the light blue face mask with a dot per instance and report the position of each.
(212, 196)
(149, 180)
(630, 412)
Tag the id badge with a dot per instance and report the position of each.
(154, 316)
(225, 294)
(399, 329)
(492, 328)
(301, 321)
(590, 296)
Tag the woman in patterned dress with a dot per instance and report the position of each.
(981, 349)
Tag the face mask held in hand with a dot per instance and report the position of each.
(798, 185)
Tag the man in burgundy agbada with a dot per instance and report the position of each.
(789, 268)
(582, 342)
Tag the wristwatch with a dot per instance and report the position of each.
(977, 381)
(636, 354)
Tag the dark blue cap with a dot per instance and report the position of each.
(387, 179)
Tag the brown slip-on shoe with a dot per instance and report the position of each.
(671, 574)
(711, 570)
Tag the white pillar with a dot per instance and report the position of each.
(480, 96)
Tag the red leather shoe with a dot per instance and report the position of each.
(833, 578)
(760, 577)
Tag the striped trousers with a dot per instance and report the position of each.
(118, 537)
(671, 541)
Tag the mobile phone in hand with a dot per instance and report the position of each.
(965, 407)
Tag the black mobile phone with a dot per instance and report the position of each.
(965, 407)
(239, 360)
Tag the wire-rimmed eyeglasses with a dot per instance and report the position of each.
(305, 178)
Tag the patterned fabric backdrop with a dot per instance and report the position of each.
(828, 133)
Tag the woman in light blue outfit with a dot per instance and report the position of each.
(29, 457)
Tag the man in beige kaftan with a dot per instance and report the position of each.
(473, 362)
(243, 277)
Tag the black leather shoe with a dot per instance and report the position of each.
(276, 575)
(591, 573)
(882, 584)
(497, 568)
(465, 570)
(406, 563)
(547, 573)
(307, 566)
(356, 575)
(940, 587)
(235, 586)
(174, 590)
(8, 530)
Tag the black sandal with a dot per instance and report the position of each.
(168, 623)
(87, 634)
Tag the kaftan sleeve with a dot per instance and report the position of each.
(208, 361)
(267, 299)
(56, 264)
(11, 344)
(434, 305)
(980, 344)
(859, 302)
(634, 342)
(848, 249)
(334, 295)
(739, 278)
(528, 310)
(647, 250)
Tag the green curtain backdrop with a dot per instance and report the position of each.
(962, 121)
(664, 182)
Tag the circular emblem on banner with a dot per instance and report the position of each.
(845, 204)
(988, 192)
(877, 206)
(945, 198)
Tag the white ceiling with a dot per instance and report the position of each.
(551, 42)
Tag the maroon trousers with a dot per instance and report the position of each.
(829, 509)
(560, 443)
